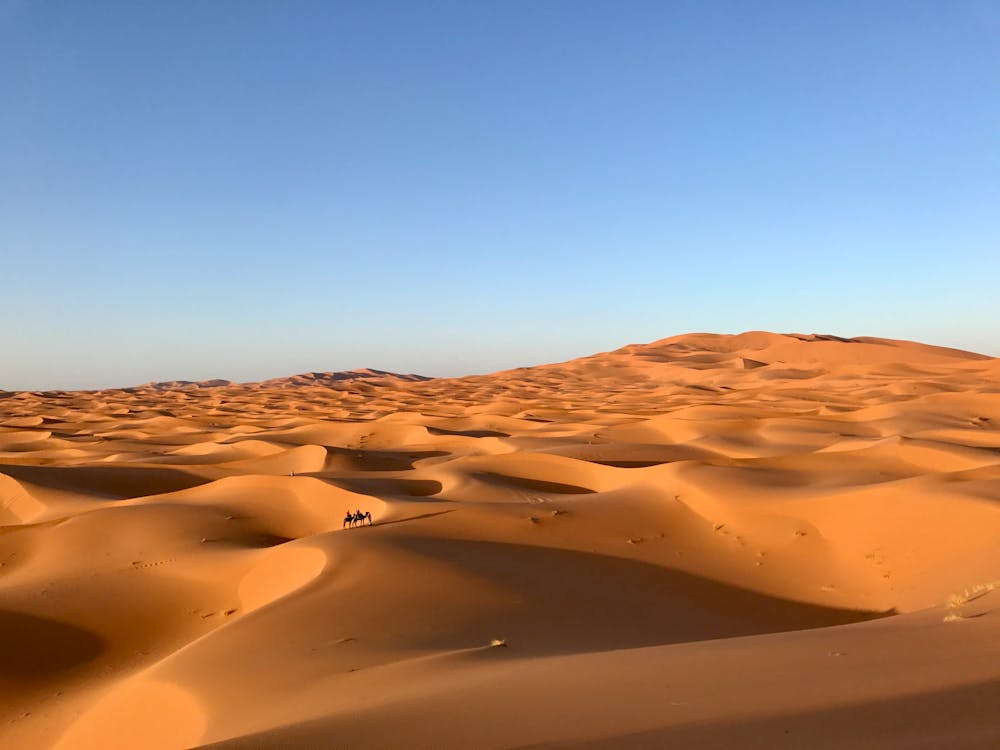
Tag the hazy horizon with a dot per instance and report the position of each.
(441, 374)
(196, 191)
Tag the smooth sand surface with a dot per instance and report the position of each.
(752, 541)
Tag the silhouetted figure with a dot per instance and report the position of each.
(359, 518)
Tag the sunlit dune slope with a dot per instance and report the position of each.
(713, 541)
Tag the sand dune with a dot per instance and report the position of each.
(714, 541)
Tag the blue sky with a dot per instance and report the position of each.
(248, 190)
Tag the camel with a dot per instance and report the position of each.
(357, 518)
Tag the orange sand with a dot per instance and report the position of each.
(753, 541)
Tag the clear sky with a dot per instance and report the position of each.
(254, 189)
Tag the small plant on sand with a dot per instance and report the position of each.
(955, 602)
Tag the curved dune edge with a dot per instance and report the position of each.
(291, 507)
(301, 460)
(142, 713)
(279, 573)
(17, 505)
(757, 692)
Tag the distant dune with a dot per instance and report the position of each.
(709, 541)
(170, 385)
(308, 378)
(329, 378)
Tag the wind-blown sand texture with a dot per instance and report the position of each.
(753, 541)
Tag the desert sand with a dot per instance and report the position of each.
(711, 541)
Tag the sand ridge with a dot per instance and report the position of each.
(777, 540)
